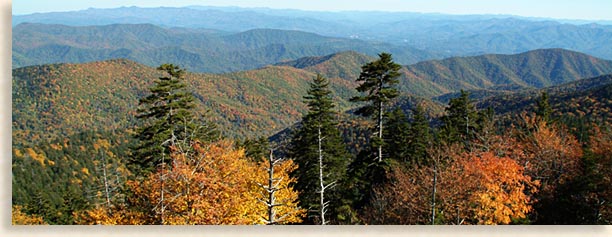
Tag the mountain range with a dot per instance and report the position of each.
(437, 34)
(195, 49)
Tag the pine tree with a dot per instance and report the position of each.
(460, 123)
(543, 109)
(377, 79)
(40, 205)
(421, 137)
(321, 156)
(73, 201)
(397, 136)
(256, 148)
(169, 119)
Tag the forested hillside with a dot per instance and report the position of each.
(533, 69)
(576, 102)
(102, 95)
(51, 101)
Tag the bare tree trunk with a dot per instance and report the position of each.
(161, 179)
(459, 222)
(321, 182)
(271, 187)
(380, 130)
(433, 196)
(467, 132)
(106, 185)
(271, 191)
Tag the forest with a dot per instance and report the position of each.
(170, 162)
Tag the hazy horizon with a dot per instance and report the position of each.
(586, 10)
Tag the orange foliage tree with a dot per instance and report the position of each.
(115, 215)
(551, 154)
(479, 187)
(494, 189)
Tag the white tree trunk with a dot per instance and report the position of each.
(271, 191)
(321, 182)
(380, 130)
(106, 184)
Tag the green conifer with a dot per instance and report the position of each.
(169, 119)
(319, 138)
(377, 80)
(460, 122)
(420, 137)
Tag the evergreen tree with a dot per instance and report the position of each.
(169, 119)
(363, 177)
(460, 123)
(397, 136)
(487, 130)
(73, 202)
(543, 109)
(41, 205)
(420, 138)
(255, 149)
(321, 156)
(377, 79)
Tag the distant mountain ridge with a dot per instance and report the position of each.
(196, 50)
(439, 34)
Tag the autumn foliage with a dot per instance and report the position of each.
(18, 217)
(471, 188)
(288, 211)
(601, 171)
(552, 155)
(209, 184)
(494, 189)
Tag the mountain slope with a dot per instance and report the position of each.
(589, 99)
(51, 101)
(538, 68)
(487, 73)
(104, 95)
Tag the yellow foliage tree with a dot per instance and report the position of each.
(495, 188)
(20, 218)
(102, 215)
(278, 187)
(208, 184)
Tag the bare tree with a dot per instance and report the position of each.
(269, 198)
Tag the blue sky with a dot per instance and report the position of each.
(563, 9)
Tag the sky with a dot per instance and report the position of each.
(560, 9)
